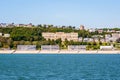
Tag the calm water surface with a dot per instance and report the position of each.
(59, 67)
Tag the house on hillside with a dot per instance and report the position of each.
(60, 35)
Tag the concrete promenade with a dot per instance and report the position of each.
(59, 52)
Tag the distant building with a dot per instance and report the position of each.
(53, 36)
(115, 36)
(3, 25)
(25, 25)
(20, 25)
(108, 38)
(96, 40)
(111, 31)
(102, 40)
(90, 40)
(97, 36)
(82, 27)
(30, 24)
(100, 30)
(11, 25)
(50, 47)
(80, 39)
(86, 40)
(91, 30)
(26, 47)
(6, 35)
(117, 31)
(76, 47)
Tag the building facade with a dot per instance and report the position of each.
(106, 47)
(82, 27)
(6, 35)
(26, 47)
(76, 47)
(50, 47)
(53, 36)
(115, 36)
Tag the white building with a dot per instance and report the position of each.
(88, 40)
(91, 39)
(53, 36)
(96, 39)
(0, 34)
(76, 47)
(108, 36)
(6, 35)
(3, 25)
(117, 31)
(80, 39)
(82, 27)
(97, 36)
(85, 39)
(50, 47)
(106, 47)
(102, 40)
(115, 36)
(92, 30)
(26, 47)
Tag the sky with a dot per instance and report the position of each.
(90, 13)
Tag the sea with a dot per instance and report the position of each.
(59, 67)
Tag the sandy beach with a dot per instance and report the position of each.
(79, 52)
(49, 52)
(27, 52)
(6, 51)
(58, 52)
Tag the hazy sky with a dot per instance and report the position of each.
(91, 13)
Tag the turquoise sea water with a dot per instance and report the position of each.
(59, 67)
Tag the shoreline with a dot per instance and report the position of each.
(59, 52)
